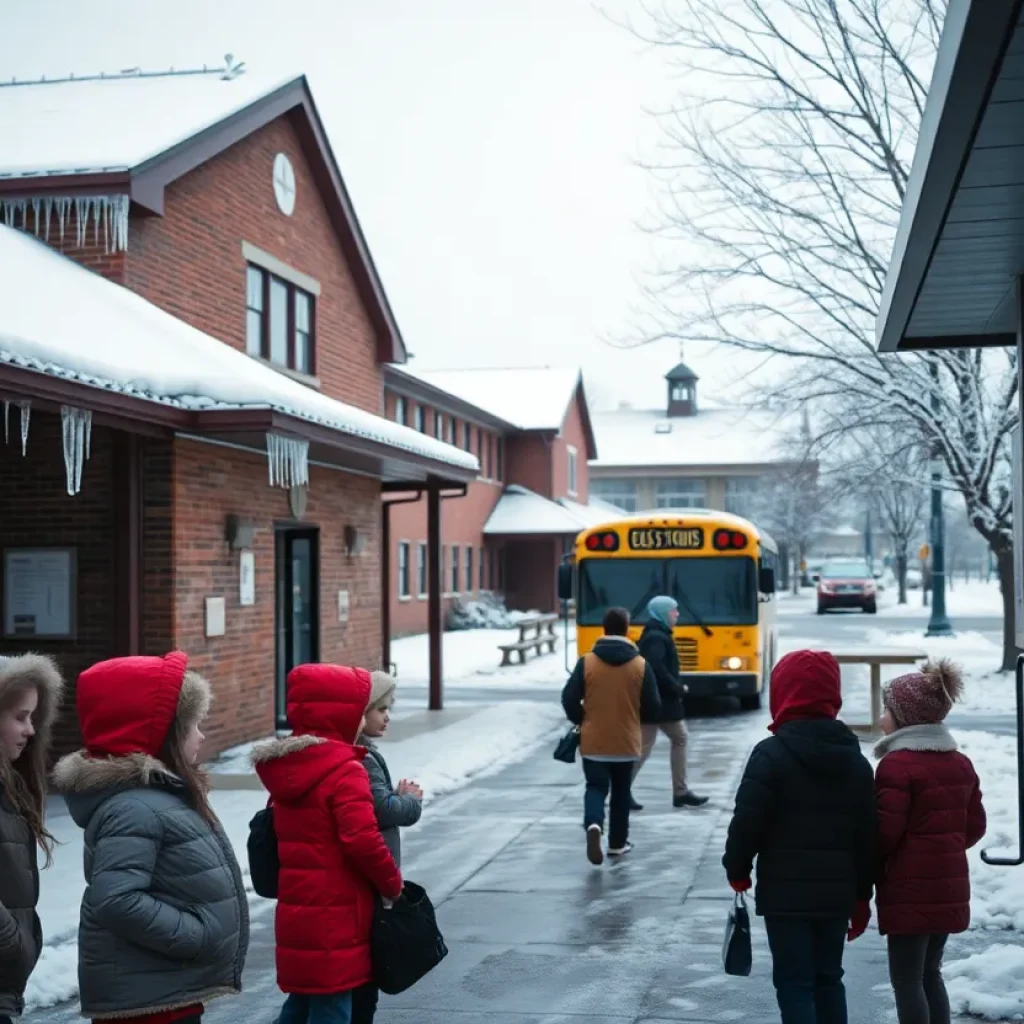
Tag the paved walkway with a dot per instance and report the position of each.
(538, 936)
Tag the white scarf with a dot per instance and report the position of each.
(933, 737)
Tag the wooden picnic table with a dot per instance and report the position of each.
(535, 633)
(875, 658)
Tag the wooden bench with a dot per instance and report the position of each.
(535, 634)
(875, 658)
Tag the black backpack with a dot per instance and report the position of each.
(264, 863)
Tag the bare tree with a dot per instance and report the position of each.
(784, 165)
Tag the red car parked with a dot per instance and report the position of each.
(847, 585)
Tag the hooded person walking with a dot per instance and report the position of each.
(165, 918)
(30, 695)
(930, 813)
(805, 811)
(334, 861)
(657, 646)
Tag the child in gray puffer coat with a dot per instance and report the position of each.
(396, 806)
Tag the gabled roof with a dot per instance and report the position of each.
(107, 339)
(136, 133)
(521, 512)
(528, 398)
(638, 438)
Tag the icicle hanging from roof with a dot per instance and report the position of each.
(26, 413)
(77, 424)
(109, 215)
(288, 461)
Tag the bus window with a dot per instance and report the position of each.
(618, 582)
(720, 591)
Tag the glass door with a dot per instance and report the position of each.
(297, 611)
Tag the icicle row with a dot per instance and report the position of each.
(287, 461)
(77, 435)
(109, 217)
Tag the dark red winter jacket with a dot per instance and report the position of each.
(333, 858)
(929, 814)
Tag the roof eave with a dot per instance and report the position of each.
(402, 381)
(975, 36)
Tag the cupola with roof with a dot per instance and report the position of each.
(682, 391)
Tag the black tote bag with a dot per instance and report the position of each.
(406, 942)
(737, 957)
(567, 746)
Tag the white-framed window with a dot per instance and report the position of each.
(467, 436)
(438, 425)
(680, 493)
(455, 569)
(401, 410)
(618, 492)
(403, 569)
(741, 495)
(573, 467)
(451, 430)
(421, 419)
(421, 569)
(469, 570)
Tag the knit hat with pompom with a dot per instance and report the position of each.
(925, 697)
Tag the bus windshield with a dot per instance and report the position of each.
(722, 591)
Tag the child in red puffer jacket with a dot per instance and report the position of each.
(929, 814)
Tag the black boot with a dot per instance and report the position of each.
(689, 799)
(633, 805)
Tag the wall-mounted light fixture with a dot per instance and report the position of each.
(238, 532)
(355, 541)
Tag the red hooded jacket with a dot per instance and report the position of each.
(929, 814)
(333, 858)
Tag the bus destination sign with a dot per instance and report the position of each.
(666, 538)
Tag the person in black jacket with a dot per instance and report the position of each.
(658, 646)
(610, 693)
(806, 811)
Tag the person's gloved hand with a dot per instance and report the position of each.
(741, 886)
(861, 919)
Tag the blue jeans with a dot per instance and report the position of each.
(602, 777)
(330, 1009)
(807, 968)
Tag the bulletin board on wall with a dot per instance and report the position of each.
(39, 588)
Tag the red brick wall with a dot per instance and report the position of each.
(209, 484)
(37, 511)
(572, 434)
(190, 263)
(528, 462)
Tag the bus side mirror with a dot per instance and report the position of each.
(565, 582)
(766, 580)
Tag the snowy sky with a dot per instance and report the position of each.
(490, 148)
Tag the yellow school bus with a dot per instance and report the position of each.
(719, 568)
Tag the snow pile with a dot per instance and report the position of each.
(974, 598)
(486, 612)
(989, 985)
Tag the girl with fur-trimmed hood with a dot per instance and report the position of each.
(929, 814)
(165, 918)
(30, 695)
(334, 861)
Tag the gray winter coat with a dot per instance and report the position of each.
(165, 919)
(393, 811)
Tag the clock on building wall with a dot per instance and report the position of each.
(284, 184)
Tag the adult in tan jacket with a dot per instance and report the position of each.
(610, 693)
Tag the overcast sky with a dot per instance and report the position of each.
(489, 145)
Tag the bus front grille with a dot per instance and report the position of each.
(687, 649)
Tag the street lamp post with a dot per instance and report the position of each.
(938, 624)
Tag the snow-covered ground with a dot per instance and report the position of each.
(441, 760)
(974, 598)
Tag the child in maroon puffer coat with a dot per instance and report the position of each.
(929, 814)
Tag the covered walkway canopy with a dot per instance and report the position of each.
(959, 250)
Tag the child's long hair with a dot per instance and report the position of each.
(173, 755)
(24, 780)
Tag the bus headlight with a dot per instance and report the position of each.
(734, 664)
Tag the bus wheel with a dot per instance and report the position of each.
(751, 703)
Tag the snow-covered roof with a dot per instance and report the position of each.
(714, 437)
(118, 122)
(58, 318)
(530, 398)
(593, 514)
(524, 512)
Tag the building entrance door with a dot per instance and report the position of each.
(297, 608)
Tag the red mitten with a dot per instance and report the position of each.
(861, 919)
(741, 886)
